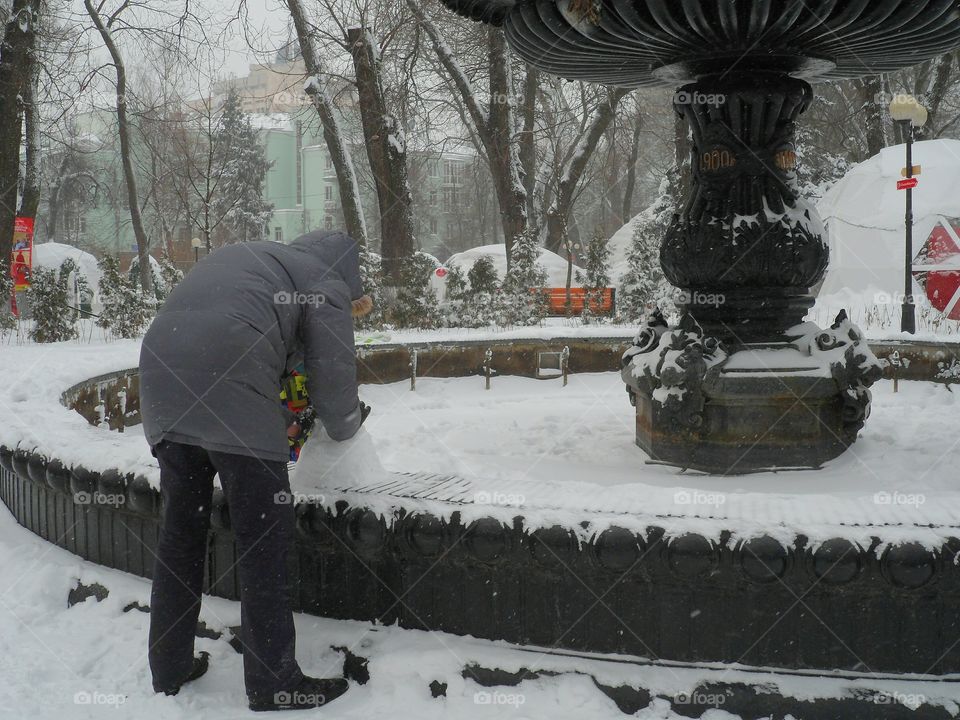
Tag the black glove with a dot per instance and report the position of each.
(364, 412)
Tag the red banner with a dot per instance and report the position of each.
(21, 264)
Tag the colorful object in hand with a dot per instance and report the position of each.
(293, 396)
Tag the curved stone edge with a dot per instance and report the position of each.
(390, 362)
(683, 598)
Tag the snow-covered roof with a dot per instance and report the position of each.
(555, 265)
(270, 121)
(864, 214)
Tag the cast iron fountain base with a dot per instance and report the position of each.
(794, 404)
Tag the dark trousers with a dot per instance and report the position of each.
(263, 528)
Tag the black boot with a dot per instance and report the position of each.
(200, 665)
(310, 693)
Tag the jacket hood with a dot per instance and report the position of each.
(339, 252)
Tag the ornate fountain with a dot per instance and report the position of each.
(742, 384)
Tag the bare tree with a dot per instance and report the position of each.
(337, 146)
(104, 26)
(492, 126)
(634, 156)
(574, 166)
(387, 152)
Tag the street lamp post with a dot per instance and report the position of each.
(195, 244)
(908, 114)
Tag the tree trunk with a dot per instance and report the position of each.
(559, 211)
(16, 74)
(126, 150)
(30, 201)
(528, 141)
(631, 182)
(869, 90)
(612, 201)
(387, 152)
(356, 226)
(493, 128)
(502, 149)
(942, 82)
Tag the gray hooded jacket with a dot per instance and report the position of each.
(212, 362)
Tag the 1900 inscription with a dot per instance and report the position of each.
(717, 159)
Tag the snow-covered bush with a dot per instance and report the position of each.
(456, 302)
(371, 277)
(170, 276)
(165, 275)
(596, 277)
(482, 306)
(52, 298)
(644, 286)
(523, 301)
(126, 311)
(416, 305)
(818, 169)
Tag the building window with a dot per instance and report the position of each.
(329, 162)
(278, 234)
(433, 197)
(450, 199)
(328, 193)
(451, 172)
(82, 226)
(328, 222)
(433, 226)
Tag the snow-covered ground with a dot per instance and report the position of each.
(88, 662)
(556, 452)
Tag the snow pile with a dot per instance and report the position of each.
(620, 244)
(52, 255)
(555, 265)
(324, 461)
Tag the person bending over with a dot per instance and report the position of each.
(211, 366)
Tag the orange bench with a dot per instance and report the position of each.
(578, 297)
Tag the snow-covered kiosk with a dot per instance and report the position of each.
(864, 216)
